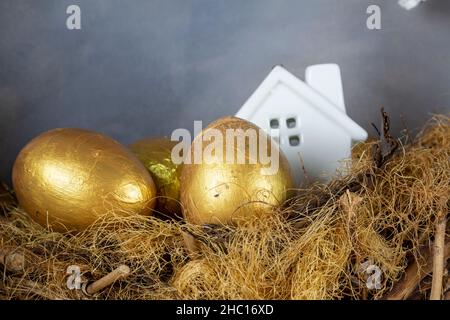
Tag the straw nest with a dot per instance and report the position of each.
(329, 242)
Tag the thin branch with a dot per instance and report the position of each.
(119, 273)
(415, 273)
(438, 258)
(350, 203)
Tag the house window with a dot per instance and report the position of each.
(294, 141)
(274, 123)
(291, 123)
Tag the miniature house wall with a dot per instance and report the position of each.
(307, 120)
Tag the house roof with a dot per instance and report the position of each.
(279, 75)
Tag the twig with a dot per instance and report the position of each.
(387, 145)
(438, 258)
(119, 273)
(349, 203)
(415, 273)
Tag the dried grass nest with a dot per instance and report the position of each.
(317, 246)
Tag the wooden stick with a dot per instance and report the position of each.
(12, 260)
(119, 273)
(350, 202)
(415, 273)
(438, 258)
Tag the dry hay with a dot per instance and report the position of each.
(315, 247)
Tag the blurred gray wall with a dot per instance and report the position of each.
(145, 67)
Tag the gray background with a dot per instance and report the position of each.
(141, 68)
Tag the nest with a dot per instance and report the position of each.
(368, 234)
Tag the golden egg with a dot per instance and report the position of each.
(155, 154)
(221, 188)
(67, 178)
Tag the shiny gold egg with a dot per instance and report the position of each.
(155, 154)
(224, 191)
(67, 178)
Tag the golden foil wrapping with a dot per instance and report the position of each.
(155, 154)
(229, 193)
(67, 178)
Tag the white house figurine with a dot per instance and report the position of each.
(308, 120)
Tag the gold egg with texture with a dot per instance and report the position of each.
(155, 154)
(219, 191)
(67, 178)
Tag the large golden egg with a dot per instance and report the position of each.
(155, 154)
(67, 178)
(221, 191)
